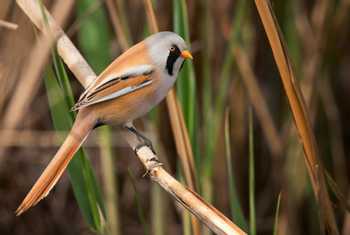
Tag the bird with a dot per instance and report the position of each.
(127, 89)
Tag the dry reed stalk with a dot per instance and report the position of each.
(111, 196)
(214, 219)
(258, 101)
(312, 34)
(335, 127)
(312, 40)
(29, 138)
(41, 139)
(315, 39)
(2, 87)
(346, 226)
(120, 4)
(341, 14)
(75, 26)
(8, 25)
(28, 85)
(182, 140)
(297, 105)
(238, 104)
(5, 8)
(151, 17)
(319, 13)
(117, 26)
(64, 44)
(13, 44)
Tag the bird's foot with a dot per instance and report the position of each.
(141, 137)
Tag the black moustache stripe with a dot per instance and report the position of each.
(172, 57)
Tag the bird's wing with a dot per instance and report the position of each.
(116, 85)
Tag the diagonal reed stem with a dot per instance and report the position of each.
(258, 102)
(117, 25)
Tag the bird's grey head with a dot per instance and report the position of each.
(168, 51)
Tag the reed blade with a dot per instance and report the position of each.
(86, 190)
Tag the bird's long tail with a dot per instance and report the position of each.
(80, 130)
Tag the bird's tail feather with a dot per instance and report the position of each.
(80, 130)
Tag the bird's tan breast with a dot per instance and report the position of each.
(130, 106)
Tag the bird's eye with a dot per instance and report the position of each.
(172, 49)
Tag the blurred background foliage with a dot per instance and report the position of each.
(248, 159)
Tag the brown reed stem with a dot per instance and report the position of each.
(258, 102)
(117, 25)
(8, 25)
(28, 84)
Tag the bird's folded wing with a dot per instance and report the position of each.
(114, 86)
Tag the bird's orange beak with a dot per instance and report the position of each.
(186, 55)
